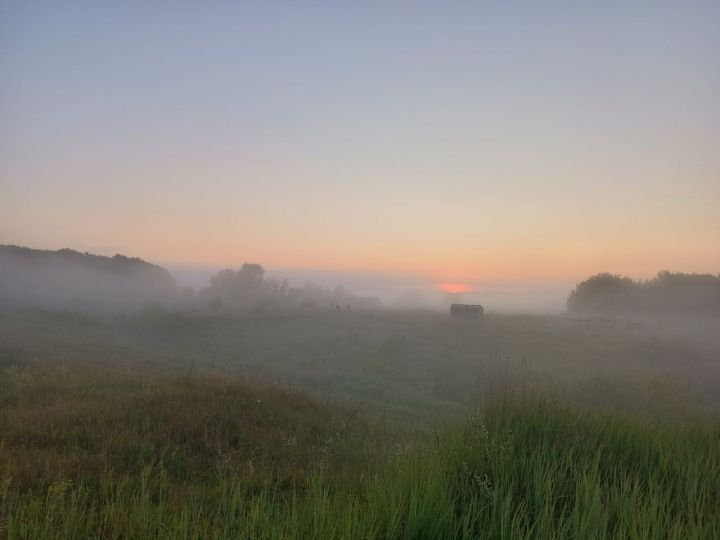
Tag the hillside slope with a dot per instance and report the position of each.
(67, 279)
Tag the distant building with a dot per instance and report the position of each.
(466, 311)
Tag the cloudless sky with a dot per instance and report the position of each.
(460, 141)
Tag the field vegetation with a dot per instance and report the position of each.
(123, 429)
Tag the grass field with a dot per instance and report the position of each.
(107, 430)
(417, 367)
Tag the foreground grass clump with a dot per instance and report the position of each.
(114, 455)
(63, 426)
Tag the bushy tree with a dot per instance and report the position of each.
(248, 289)
(668, 292)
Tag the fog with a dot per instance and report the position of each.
(407, 291)
(214, 376)
(371, 270)
(69, 280)
(379, 338)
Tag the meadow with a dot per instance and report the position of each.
(415, 367)
(354, 425)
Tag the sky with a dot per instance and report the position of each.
(478, 144)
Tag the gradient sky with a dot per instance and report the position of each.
(461, 141)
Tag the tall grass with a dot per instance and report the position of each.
(99, 440)
(525, 468)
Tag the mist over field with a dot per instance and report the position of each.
(408, 270)
(409, 291)
(249, 390)
(332, 340)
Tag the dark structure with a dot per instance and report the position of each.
(466, 311)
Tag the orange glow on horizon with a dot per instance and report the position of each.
(455, 287)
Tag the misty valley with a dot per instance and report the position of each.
(254, 407)
(359, 270)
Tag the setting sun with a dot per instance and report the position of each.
(454, 287)
(270, 247)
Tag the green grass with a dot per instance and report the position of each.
(112, 455)
(105, 438)
(409, 367)
(67, 423)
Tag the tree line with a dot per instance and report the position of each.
(667, 293)
(248, 288)
(83, 282)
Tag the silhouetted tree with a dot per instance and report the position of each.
(668, 292)
(248, 289)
